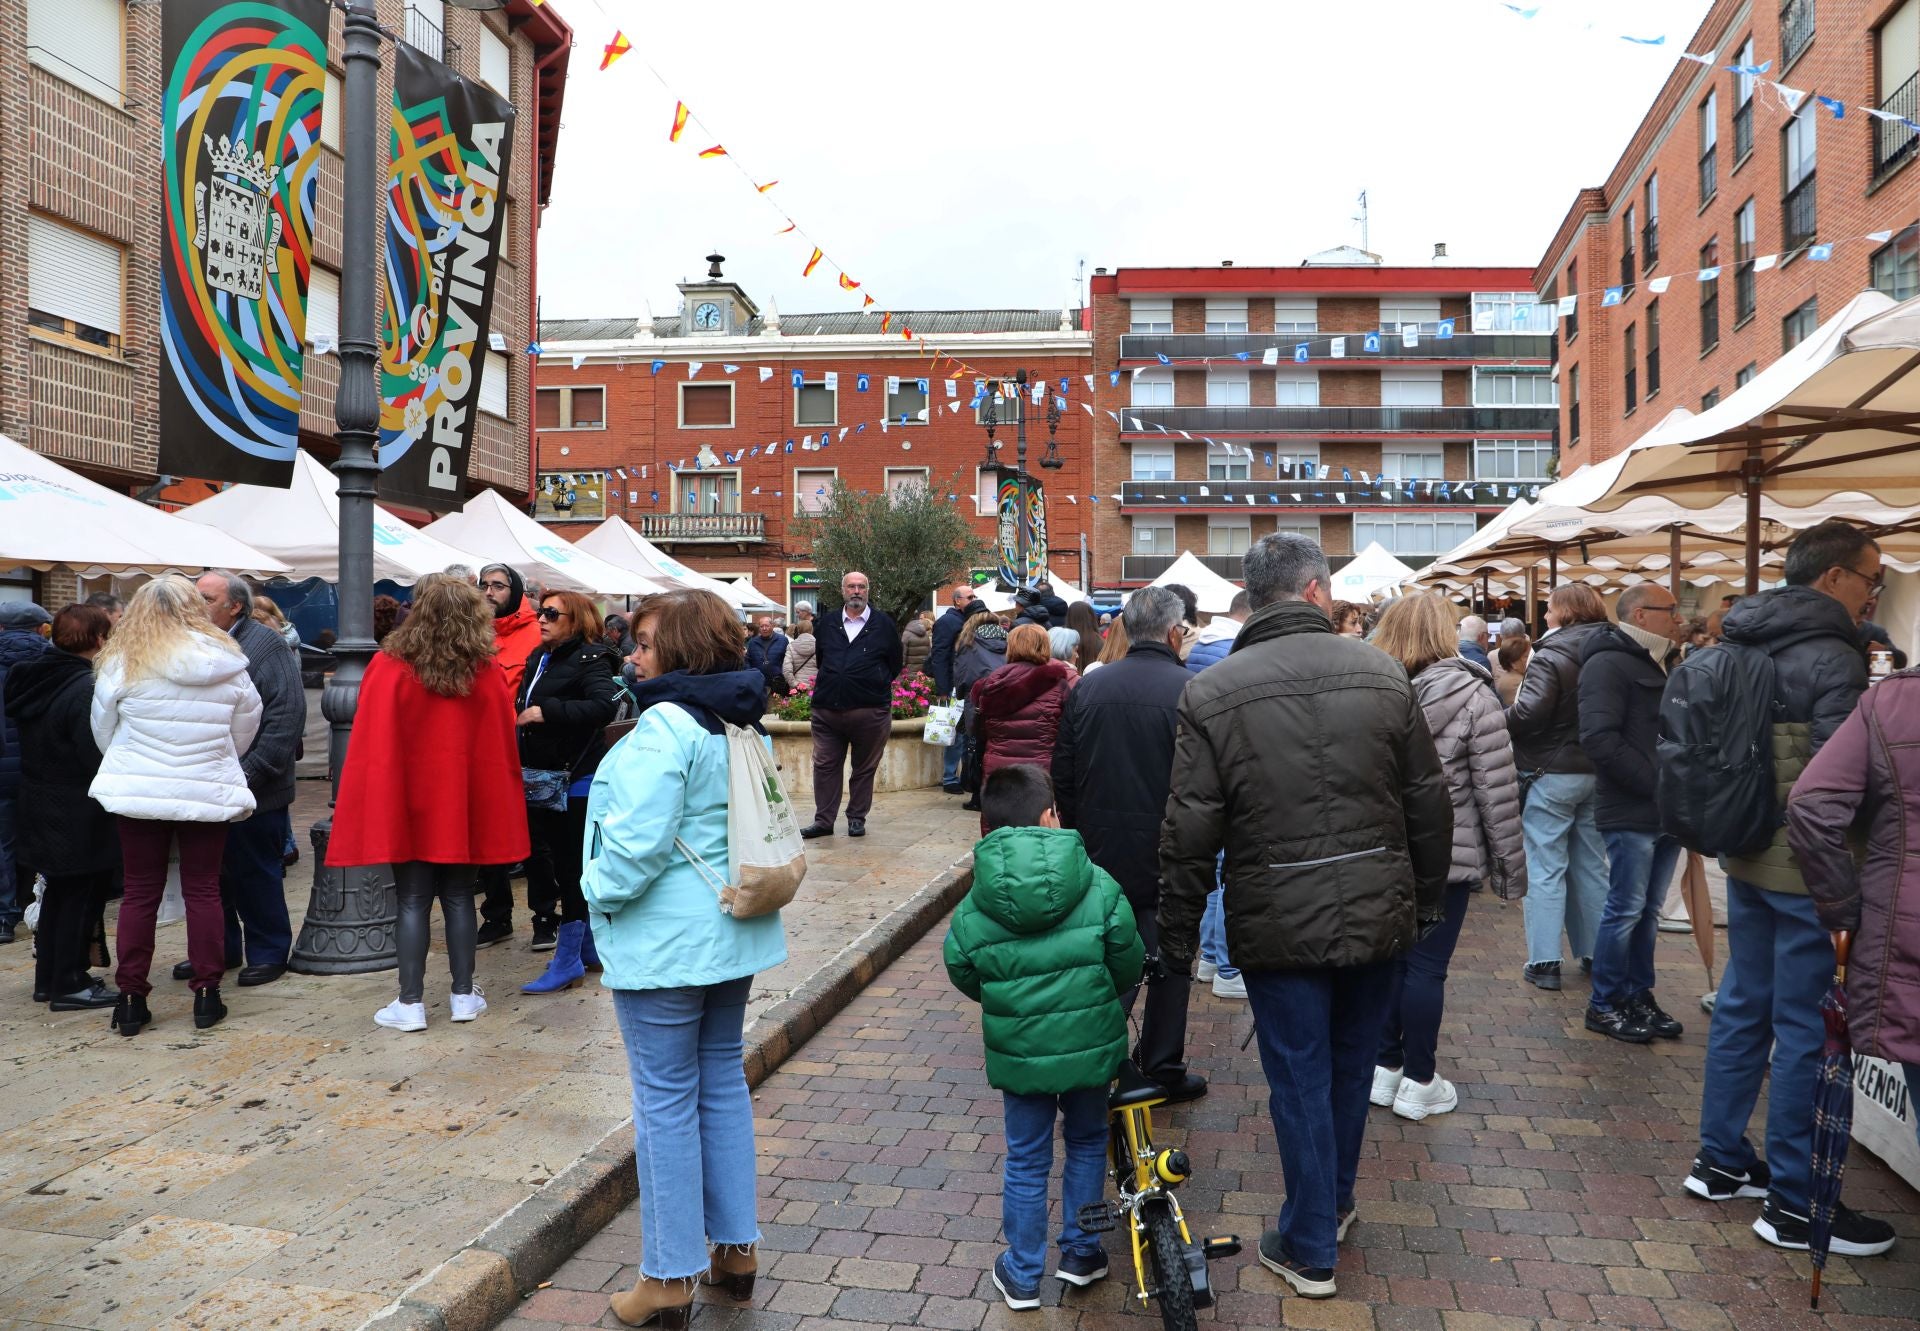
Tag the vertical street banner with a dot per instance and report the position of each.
(451, 142)
(1008, 531)
(240, 131)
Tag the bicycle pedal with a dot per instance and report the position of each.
(1214, 1249)
(1097, 1217)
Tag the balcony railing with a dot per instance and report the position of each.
(426, 36)
(1742, 131)
(1796, 30)
(1338, 420)
(1573, 422)
(1709, 173)
(1334, 492)
(1649, 245)
(1893, 142)
(1799, 218)
(1743, 292)
(1626, 275)
(1461, 346)
(1632, 387)
(1653, 370)
(703, 526)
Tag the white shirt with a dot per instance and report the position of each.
(852, 625)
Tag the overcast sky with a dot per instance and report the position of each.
(973, 155)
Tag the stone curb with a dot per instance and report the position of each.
(483, 1284)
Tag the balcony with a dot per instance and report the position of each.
(1742, 131)
(1796, 30)
(427, 37)
(1709, 173)
(1374, 421)
(1461, 346)
(736, 528)
(1799, 218)
(1649, 245)
(1336, 494)
(1893, 142)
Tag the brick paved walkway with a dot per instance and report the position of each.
(1550, 1199)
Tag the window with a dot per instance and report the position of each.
(323, 310)
(1300, 314)
(1573, 289)
(1514, 388)
(1709, 146)
(706, 406)
(902, 479)
(1573, 403)
(1896, 265)
(1510, 312)
(1152, 462)
(1710, 399)
(1710, 296)
(1152, 536)
(1650, 238)
(1796, 30)
(815, 404)
(74, 283)
(706, 492)
(1744, 375)
(1006, 404)
(1743, 107)
(427, 27)
(986, 492)
(1743, 264)
(570, 495)
(907, 402)
(1798, 326)
(1227, 388)
(80, 41)
(1226, 314)
(1413, 464)
(1300, 462)
(1653, 347)
(1226, 463)
(1307, 527)
(1412, 533)
(1897, 53)
(1296, 388)
(1229, 537)
(1630, 356)
(493, 385)
(1797, 161)
(330, 107)
(570, 409)
(1150, 316)
(813, 488)
(496, 63)
(1629, 224)
(1410, 388)
(1151, 388)
(1397, 310)
(1512, 459)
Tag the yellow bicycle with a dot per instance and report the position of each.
(1169, 1268)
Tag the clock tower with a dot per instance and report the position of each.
(715, 307)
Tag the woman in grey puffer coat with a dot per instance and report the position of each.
(1470, 733)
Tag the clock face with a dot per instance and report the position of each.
(706, 316)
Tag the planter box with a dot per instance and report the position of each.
(908, 764)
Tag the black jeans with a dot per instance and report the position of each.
(419, 883)
(557, 838)
(1419, 994)
(1162, 1050)
(67, 914)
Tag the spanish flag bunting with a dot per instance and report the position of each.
(616, 48)
(865, 301)
(808, 270)
(715, 151)
(958, 372)
(846, 283)
(907, 333)
(885, 321)
(679, 122)
(769, 185)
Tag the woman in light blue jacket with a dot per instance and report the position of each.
(679, 968)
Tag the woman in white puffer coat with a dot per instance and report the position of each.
(173, 710)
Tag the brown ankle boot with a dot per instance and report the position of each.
(669, 1302)
(733, 1267)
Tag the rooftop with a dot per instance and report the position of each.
(836, 323)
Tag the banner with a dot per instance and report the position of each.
(240, 132)
(451, 141)
(1011, 520)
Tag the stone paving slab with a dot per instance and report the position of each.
(1550, 1199)
(298, 1167)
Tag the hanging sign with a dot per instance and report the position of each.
(1008, 533)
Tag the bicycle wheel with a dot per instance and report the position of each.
(1173, 1291)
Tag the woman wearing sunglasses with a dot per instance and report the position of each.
(567, 695)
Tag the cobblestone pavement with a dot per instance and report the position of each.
(298, 1167)
(1550, 1199)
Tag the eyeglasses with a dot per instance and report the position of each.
(549, 614)
(1874, 585)
(496, 586)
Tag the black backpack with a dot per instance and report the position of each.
(1716, 787)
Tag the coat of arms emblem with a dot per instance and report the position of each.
(234, 221)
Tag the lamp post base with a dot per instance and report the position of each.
(351, 917)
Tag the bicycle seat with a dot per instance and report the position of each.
(1132, 1088)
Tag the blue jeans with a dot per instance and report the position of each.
(1779, 964)
(1319, 1031)
(1213, 933)
(1419, 995)
(253, 889)
(1023, 1201)
(692, 1122)
(950, 759)
(1566, 865)
(13, 896)
(1639, 870)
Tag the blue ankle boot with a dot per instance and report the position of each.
(589, 955)
(564, 970)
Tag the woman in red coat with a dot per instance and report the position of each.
(1017, 708)
(432, 783)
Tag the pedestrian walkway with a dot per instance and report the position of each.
(1550, 1199)
(297, 1167)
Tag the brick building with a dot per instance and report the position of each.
(691, 428)
(1720, 174)
(80, 228)
(1343, 399)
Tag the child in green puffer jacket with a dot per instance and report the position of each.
(1046, 944)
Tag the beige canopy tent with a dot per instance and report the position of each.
(499, 533)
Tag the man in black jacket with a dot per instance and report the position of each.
(859, 654)
(1623, 668)
(1307, 757)
(946, 630)
(1111, 767)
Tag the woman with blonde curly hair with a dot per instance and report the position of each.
(173, 710)
(432, 784)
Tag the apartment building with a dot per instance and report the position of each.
(80, 227)
(709, 430)
(1345, 399)
(1725, 173)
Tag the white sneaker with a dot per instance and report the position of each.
(398, 1016)
(466, 1006)
(1229, 986)
(1386, 1083)
(1205, 970)
(1416, 1102)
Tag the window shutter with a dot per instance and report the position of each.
(546, 409)
(81, 41)
(493, 385)
(330, 112)
(706, 404)
(323, 309)
(72, 275)
(496, 63)
(588, 407)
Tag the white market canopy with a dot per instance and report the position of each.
(620, 545)
(743, 595)
(51, 517)
(996, 600)
(1372, 570)
(1213, 592)
(499, 533)
(300, 526)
